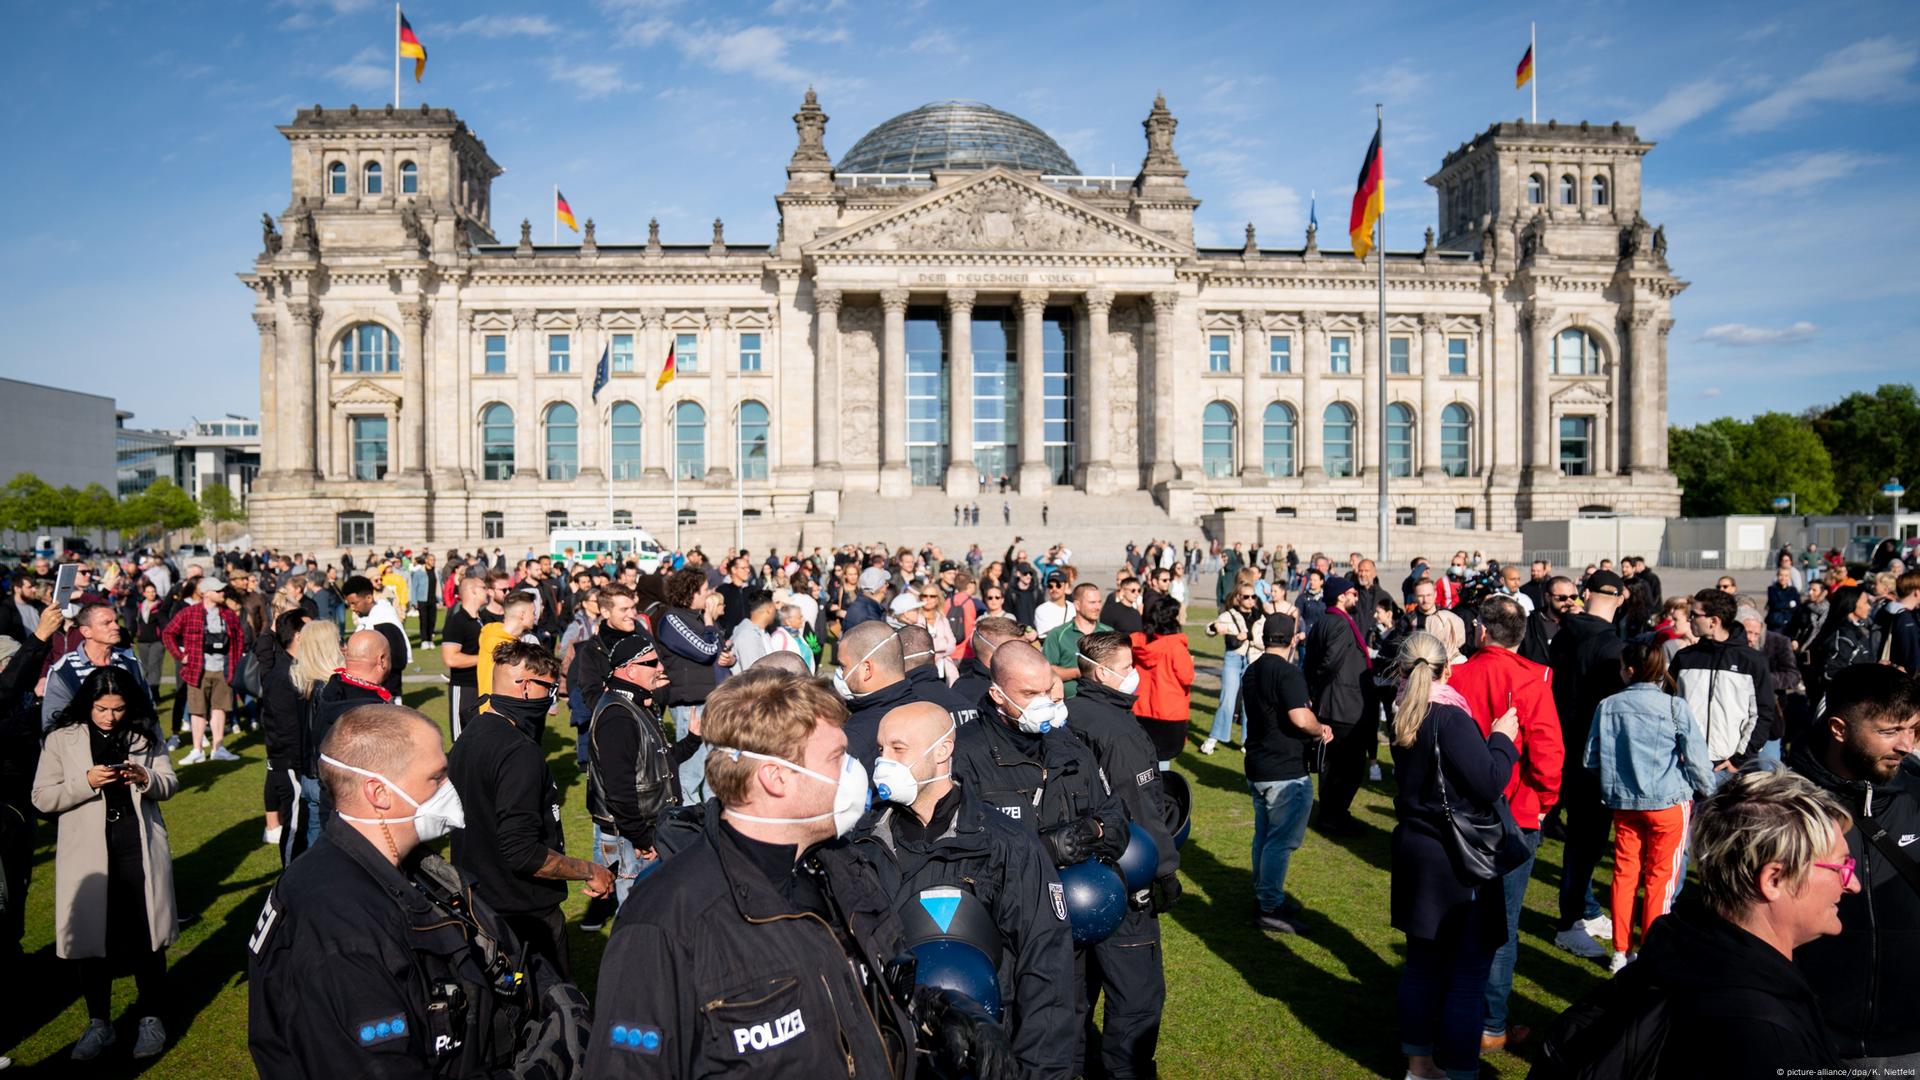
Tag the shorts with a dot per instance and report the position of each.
(214, 692)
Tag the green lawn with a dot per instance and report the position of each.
(1239, 1003)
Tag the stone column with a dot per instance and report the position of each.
(826, 388)
(1647, 418)
(301, 409)
(592, 432)
(413, 390)
(654, 403)
(1097, 470)
(454, 436)
(721, 434)
(527, 462)
(1253, 360)
(1373, 411)
(1660, 392)
(1160, 467)
(1433, 358)
(1033, 411)
(272, 460)
(1540, 463)
(894, 478)
(1313, 405)
(962, 480)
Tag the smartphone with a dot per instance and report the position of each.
(63, 583)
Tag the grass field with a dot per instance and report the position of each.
(1239, 1003)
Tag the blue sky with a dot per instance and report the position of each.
(142, 150)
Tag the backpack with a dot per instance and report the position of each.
(1614, 1033)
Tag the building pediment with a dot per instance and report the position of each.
(998, 213)
(1582, 394)
(365, 393)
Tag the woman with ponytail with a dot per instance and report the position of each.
(1651, 760)
(1453, 924)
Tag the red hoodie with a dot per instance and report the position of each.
(1494, 678)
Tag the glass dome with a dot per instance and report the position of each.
(956, 135)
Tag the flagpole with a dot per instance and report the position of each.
(396, 58)
(673, 466)
(609, 467)
(739, 483)
(553, 212)
(1380, 348)
(1533, 79)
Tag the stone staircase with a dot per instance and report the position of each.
(1095, 528)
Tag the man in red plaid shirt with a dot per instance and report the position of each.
(203, 639)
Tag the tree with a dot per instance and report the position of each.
(28, 502)
(1778, 454)
(1871, 438)
(161, 507)
(1701, 458)
(95, 508)
(218, 507)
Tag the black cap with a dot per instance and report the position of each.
(948, 564)
(634, 645)
(1334, 587)
(1056, 578)
(1278, 629)
(1606, 583)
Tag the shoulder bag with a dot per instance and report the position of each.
(1485, 844)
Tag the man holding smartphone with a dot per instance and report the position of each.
(1285, 743)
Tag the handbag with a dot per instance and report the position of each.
(1484, 844)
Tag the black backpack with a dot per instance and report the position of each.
(1615, 1033)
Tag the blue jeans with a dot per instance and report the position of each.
(616, 854)
(693, 774)
(1439, 993)
(1280, 810)
(1771, 751)
(1232, 667)
(1500, 975)
(316, 813)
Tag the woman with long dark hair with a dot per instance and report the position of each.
(1165, 663)
(1844, 639)
(103, 772)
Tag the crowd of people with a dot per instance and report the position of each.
(874, 809)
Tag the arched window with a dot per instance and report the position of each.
(337, 178)
(1277, 440)
(373, 178)
(1575, 352)
(1569, 190)
(409, 178)
(1337, 440)
(1536, 189)
(690, 440)
(1599, 191)
(753, 441)
(563, 441)
(1456, 440)
(1399, 440)
(369, 348)
(625, 441)
(496, 442)
(1217, 439)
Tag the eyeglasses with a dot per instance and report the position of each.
(1844, 868)
(995, 596)
(1565, 598)
(544, 684)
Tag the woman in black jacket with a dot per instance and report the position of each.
(1845, 639)
(1453, 924)
(283, 724)
(695, 654)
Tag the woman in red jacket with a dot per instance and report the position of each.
(1165, 664)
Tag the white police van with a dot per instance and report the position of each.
(587, 544)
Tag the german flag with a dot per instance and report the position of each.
(666, 370)
(562, 211)
(410, 46)
(1525, 71)
(1367, 200)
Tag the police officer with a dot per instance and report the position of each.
(957, 870)
(1126, 966)
(975, 676)
(373, 956)
(923, 675)
(873, 675)
(761, 945)
(632, 774)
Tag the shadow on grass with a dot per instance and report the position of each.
(1368, 841)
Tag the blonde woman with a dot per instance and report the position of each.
(312, 660)
(1453, 924)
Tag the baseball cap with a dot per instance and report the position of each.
(908, 600)
(1056, 578)
(948, 564)
(1606, 583)
(1278, 629)
(873, 578)
(212, 584)
(634, 645)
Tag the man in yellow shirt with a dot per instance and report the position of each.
(516, 622)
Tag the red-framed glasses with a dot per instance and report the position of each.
(1844, 868)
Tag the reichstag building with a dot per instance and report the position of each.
(953, 301)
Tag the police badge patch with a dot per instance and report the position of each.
(1059, 896)
(1143, 778)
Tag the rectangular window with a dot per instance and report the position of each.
(749, 352)
(996, 393)
(1056, 352)
(1463, 517)
(356, 528)
(1340, 354)
(493, 525)
(1279, 354)
(496, 354)
(1344, 513)
(1576, 445)
(1456, 356)
(623, 352)
(369, 438)
(1405, 515)
(927, 404)
(559, 355)
(686, 352)
(556, 519)
(1399, 356)
(1219, 352)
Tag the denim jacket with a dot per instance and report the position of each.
(1649, 753)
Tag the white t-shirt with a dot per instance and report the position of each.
(1048, 616)
(809, 607)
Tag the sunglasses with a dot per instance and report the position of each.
(1564, 598)
(544, 684)
(1844, 868)
(995, 596)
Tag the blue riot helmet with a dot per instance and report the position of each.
(954, 965)
(1096, 900)
(953, 937)
(1141, 861)
(1179, 806)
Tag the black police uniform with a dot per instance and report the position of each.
(359, 968)
(1127, 967)
(972, 685)
(999, 865)
(928, 686)
(714, 967)
(864, 714)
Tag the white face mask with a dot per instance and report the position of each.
(431, 819)
(850, 796)
(894, 781)
(840, 674)
(1041, 715)
(1129, 682)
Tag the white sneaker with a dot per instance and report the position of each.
(1600, 926)
(152, 1039)
(194, 757)
(1209, 746)
(94, 1041)
(221, 753)
(1373, 772)
(173, 743)
(1619, 960)
(1580, 943)
(271, 836)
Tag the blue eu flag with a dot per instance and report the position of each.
(601, 371)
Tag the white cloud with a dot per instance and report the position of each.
(589, 81)
(1799, 174)
(1395, 84)
(1709, 391)
(1682, 105)
(757, 50)
(311, 13)
(939, 43)
(503, 26)
(1275, 206)
(646, 32)
(1741, 335)
(1866, 71)
(369, 70)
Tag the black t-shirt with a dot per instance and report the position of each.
(1121, 617)
(1276, 750)
(463, 630)
(512, 809)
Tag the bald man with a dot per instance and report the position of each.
(923, 675)
(988, 634)
(355, 684)
(789, 662)
(930, 838)
(873, 667)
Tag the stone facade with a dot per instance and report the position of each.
(907, 331)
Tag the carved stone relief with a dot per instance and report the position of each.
(860, 329)
(1123, 352)
(996, 216)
